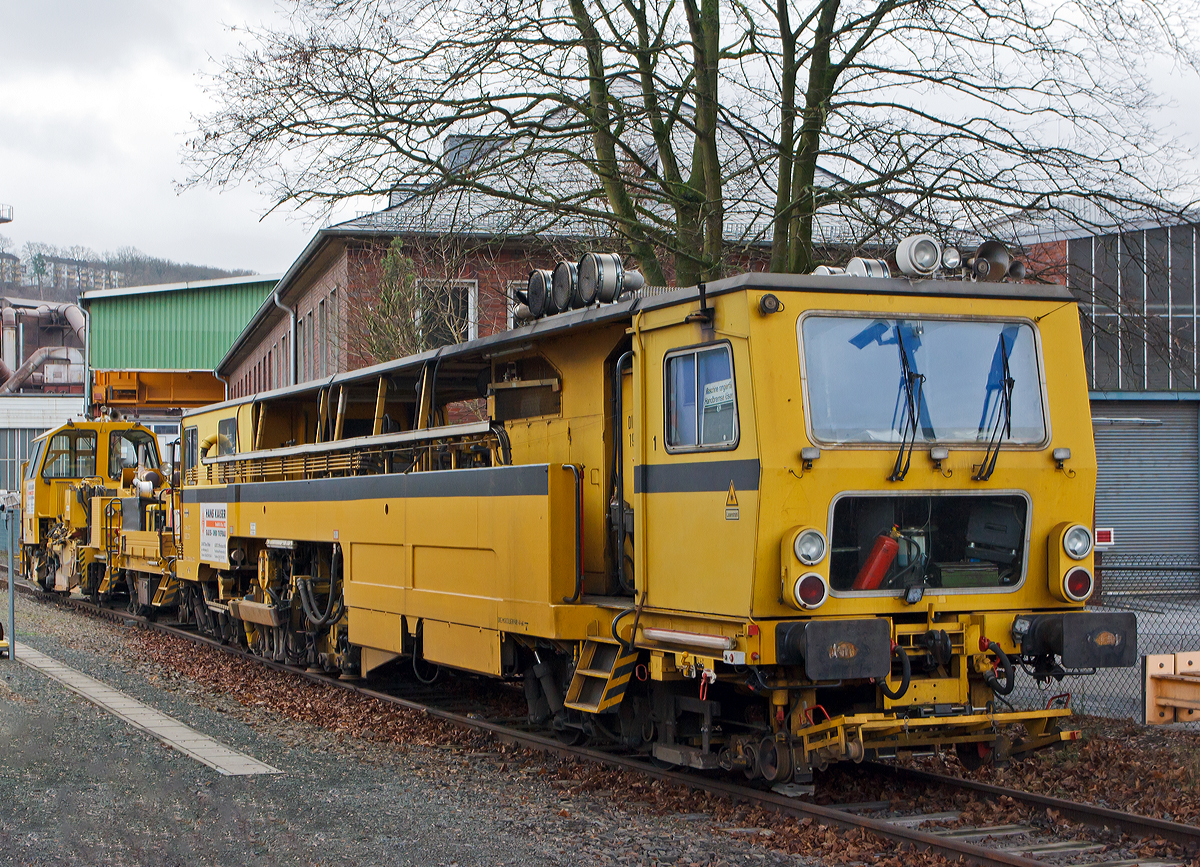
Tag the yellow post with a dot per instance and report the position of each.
(380, 402)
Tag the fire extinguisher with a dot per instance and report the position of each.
(884, 551)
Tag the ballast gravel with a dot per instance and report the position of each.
(79, 786)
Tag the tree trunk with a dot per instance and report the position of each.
(705, 25)
(820, 88)
(787, 138)
(606, 151)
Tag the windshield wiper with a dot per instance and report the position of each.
(913, 384)
(1002, 429)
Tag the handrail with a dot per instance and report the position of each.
(619, 451)
(578, 474)
(434, 433)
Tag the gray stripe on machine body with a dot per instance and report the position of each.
(524, 481)
(696, 476)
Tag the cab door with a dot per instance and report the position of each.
(698, 485)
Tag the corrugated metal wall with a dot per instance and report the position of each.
(186, 329)
(14, 448)
(1148, 488)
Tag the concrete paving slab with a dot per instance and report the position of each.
(197, 745)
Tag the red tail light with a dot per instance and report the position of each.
(811, 590)
(1078, 585)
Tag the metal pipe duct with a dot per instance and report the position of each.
(50, 312)
(32, 363)
(9, 352)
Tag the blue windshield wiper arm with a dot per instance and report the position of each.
(913, 383)
(1003, 428)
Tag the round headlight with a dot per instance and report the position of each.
(918, 255)
(1077, 542)
(810, 591)
(810, 547)
(925, 254)
(951, 259)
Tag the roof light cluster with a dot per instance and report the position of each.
(598, 278)
(925, 256)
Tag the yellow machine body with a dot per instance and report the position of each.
(636, 554)
(96, 513)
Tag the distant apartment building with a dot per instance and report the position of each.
(55, 277)
(10, 271)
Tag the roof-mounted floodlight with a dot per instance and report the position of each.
(951, 258)
(990, 262)
(564, 290)
(859, 267)
(603, 278)
(828, 271)
(919, 255)
(537, 292)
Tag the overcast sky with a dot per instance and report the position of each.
(95, 102)
(95, 107)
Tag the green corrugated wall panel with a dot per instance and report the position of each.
(185, 329)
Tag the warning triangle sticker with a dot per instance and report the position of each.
(731, 500)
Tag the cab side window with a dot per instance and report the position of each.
(129, 450)
(191, 453)
(34, 460)
(701, 399)
(71, 454)
(227, 436)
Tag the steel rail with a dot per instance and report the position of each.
(906, 837)
(1086, 814)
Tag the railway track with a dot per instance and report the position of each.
(1003, 845)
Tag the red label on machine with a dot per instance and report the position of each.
(1105, 536)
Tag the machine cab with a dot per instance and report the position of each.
(71, 453)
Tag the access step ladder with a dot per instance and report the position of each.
(601, 677)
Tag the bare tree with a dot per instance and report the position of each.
(690, 129)
(37, 256)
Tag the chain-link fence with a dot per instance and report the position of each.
(1164, 593)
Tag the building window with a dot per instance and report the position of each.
(511, 303)
(334, 328)
(322, 338)
(310, 368)
(447, 311)
(301, 355)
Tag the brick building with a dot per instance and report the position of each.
(316, 324)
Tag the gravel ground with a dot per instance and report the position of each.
(371, 783)
(88, 789)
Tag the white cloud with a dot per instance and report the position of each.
(95, 107)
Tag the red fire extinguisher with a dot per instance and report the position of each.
(884, 551)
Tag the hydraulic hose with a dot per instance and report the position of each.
(334, 606)
(1009, 674)
(625, 646)
(905, 678)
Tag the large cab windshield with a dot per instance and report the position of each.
(131, 449)
(858, 373)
